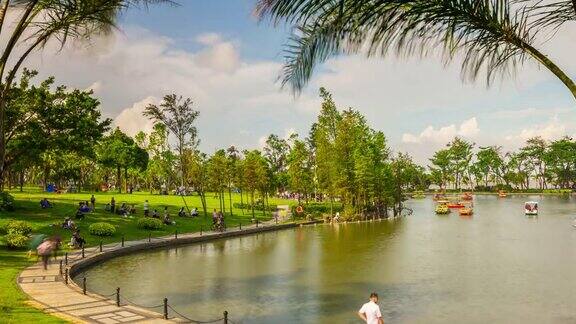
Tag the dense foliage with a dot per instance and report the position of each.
(102, 229)
(16, 240)
(149, 223)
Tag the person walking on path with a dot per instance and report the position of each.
(370, 312)
(45, 249)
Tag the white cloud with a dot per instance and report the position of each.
(468, 128)
(208, 38)
(95, 87)
(551, 130)
(131, 120)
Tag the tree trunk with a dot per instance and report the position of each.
(118, 176)
(21, 180)
(203, 200)
(230, 198)
(252, 194)
(551, 66)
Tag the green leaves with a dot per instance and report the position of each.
(493, 37)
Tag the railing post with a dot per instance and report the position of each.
(118, 296)
(84, 285)
(149, 237)
(200, 230)
(176, 234)
(100, 246)
(66, 276)
(165, 308)
(82, 251)
(256, 222)
(60, 267)
(240, 225)
(122, 240)
(66, 258)
(225, 317)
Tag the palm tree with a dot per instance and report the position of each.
(493, 36)
(41, 21)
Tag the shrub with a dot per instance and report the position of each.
(102, 229)
(18, 227)
(16, 240)
(149, 223)
(6, 201)
(317, 208)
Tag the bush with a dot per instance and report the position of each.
(317, 208)
(102, 229)
(18, 227)
(16, 240)
(6, 201)
(149, 223)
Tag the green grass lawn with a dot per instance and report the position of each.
(47, 221)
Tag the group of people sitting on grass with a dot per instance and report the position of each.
(193, 212)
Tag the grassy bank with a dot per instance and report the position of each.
(13, 308)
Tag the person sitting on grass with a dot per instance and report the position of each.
(68, 224)
(194, 212)
(107, 207)
(155, 214)
(79, 214)
(84, 207)
(132, 209)
(168, 221)
(44, 203)
(77, 241)
(123, 210)
(182, 212)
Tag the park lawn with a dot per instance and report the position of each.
(47, 221)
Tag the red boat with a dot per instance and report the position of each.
(455, 205)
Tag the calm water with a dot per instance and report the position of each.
(497, 266)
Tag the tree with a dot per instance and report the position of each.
(300, 169)
(535, 150)
(178, 115)
(441, 167)
(460, 155)
(218, 175)
(119, 151)
(42, 121)
(276, 153)
(322, 138)
(488, 163)
(492, 36)
(39, 22)
(196, 165)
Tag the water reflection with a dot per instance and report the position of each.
(496, 266)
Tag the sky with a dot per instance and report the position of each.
(218, 54)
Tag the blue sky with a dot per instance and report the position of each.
(216, 53)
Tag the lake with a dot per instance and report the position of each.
(498, 266)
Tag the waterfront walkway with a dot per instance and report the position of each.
(55, 293)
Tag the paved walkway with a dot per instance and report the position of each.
(52, 293)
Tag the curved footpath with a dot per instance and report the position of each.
(54, 292)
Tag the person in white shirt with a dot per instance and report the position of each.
(370, 312)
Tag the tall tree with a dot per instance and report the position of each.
(39, 22)
(119, 151)
(178, 115)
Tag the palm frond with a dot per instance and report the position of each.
(490, 35)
